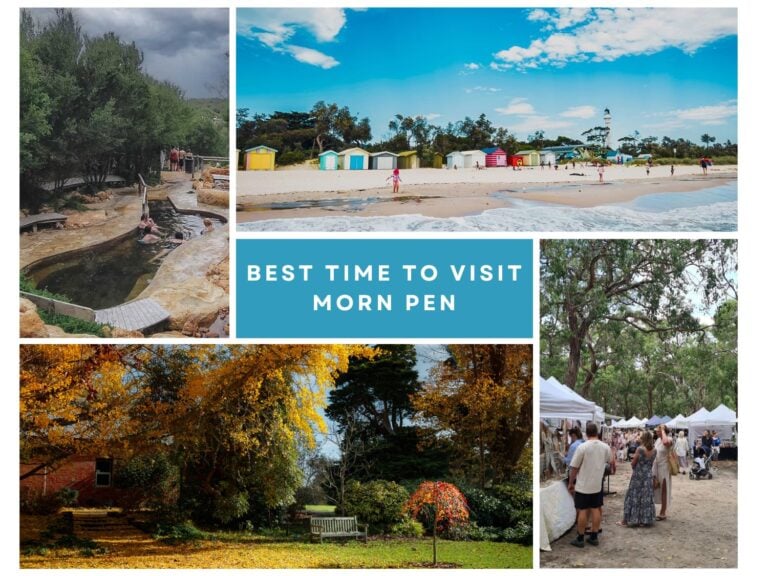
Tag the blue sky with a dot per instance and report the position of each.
(662, 72)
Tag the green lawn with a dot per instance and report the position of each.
(405, 553)
(320, 508)
(124, 546)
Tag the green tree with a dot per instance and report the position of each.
(640, 284)
(372, 405)
(597, 136)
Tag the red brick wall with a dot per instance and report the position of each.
(78, 473)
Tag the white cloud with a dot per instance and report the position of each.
(311, 56)
(489, 89)
(431, 116)
(579, 112)
(534, 122)
(472, 66)
(539, 15)
(567, 17)
(711, 115)
(275, 27)
(502, 67)
(559, 18)
(517, 106)
(608, 34)
(716, 114)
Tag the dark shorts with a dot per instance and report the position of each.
(587, 501)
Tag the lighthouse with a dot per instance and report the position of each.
(607, 120)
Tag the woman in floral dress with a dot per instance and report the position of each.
(639, 509)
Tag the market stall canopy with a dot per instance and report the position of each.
(665, 419)
(678, 422)
(558, 401)
(698, 417)
(620, 424)
(721, 420)
(653, 422)
(634, 422)
(721, 416)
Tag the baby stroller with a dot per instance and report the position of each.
(698, 471)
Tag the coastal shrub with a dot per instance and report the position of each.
(666, 161)
(378, 503)
(26, 284)
(291, 157)
(69, 324)
(72, 325)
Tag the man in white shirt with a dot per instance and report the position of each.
(586, 484)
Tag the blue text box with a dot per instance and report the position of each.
(357, 288)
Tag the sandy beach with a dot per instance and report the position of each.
(451, 193)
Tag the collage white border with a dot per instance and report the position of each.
(751, 103)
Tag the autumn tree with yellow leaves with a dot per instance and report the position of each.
(232, 417)
(481, 399)
(71, 400)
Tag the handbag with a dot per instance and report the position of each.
(674, 467)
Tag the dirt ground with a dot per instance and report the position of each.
(700, 530)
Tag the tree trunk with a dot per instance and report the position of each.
(520, 434)
(574, 359)
(434, 525)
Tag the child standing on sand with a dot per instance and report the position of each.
(395, 180)
(600, 172)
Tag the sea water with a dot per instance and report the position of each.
(707, 210)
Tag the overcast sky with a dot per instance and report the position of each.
(185, 46)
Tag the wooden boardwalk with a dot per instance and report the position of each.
(135, 315)
(78, 181)
(44, 218)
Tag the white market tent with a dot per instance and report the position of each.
(557, 401)
(631, 423)
(721, 415)
(556, 511)
(722, 420)
(679, 422)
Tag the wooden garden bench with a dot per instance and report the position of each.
(339, 527)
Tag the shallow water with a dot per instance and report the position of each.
(108, 276)
(343, 205)
(709, 209)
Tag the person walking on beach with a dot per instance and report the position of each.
(586, 484)
(601, 172)
(395, 180)
(672, 170)
(704, 164)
